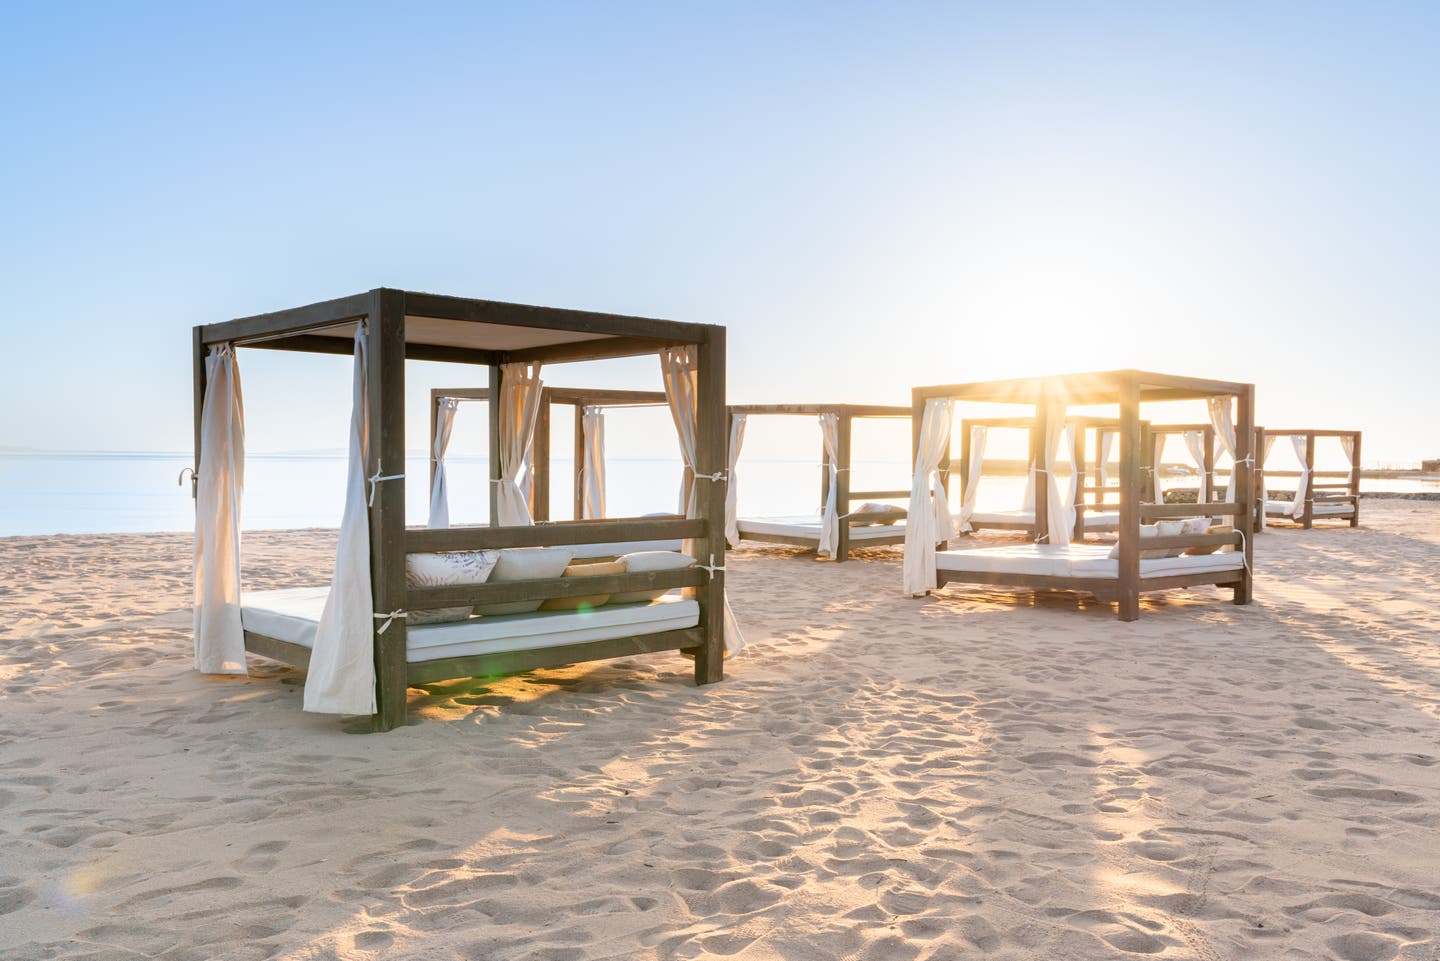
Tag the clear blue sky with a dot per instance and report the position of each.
(911, 193)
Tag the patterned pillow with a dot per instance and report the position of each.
(447, 570)
(1212, 548)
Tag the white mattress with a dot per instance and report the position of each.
(808, 526)
(1075, 560)
(1321, 510)
(292, 615)
(624, 547)
(1093, 519)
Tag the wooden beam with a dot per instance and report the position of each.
(514, 662)
(326, 313)
(493, 458)
(553, 534)
(553, 318)
(601, 349)
(540, 464)
(842, 484)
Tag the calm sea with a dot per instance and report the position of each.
(88, 493)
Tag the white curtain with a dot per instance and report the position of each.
(1265, 446)
(219, 487)
(929, 521)
(1302, 484)
(1156, 473)
(1224, 424)
(1059, 508)
(680, 373)
(829, 513)
(732, 513)
(1027, 500)
(439, 495)
(520, 392)
(1107, 444)
(341, 677)
(979, 434)
(1347, 444)
(1195, 443)
(592, 496)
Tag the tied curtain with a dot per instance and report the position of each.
(1059, 508)
(1347, 444)
(219, 487)
(1265, 447)
(830, 513)
(1224, 423)
(1302, 484)
(520, 392)
(1107, 444)
(1195, 443)
(341, 676)
(979, 433)
(1155, 474)
(680, 372)
(732, 512)
(439, 494)
(929, 521)
(592, 502)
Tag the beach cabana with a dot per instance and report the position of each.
(1330, 495)
(1056, 561)
(589, 406)
(838, 527)
(1199, 444)
(354, 637)
(1091, 516)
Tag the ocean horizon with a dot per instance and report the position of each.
(113, 492)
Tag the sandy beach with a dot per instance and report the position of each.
(973, 775)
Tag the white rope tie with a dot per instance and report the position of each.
(390, 619)
(711, 568)
(719, 475)
(377, 477)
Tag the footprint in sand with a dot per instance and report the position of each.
(260, 858)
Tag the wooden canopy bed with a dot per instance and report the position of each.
(369, 597)
(1057, 563)
(1320, 495)
(1091, 516)
(850, 528)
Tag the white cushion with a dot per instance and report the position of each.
(1158, 529)
(525, 564)
(807, 527)
(1073, 560)
(292, 615)
(448, 569)
(643, 561)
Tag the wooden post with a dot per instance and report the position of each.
(1258, 478)
(1131, 483)
(1207, 467)
(967, 451)
(197, 360)
(385, 388)
(540, 464)
(1077, 439)
(1355, 483)
(1309, 519)
(842, 485)
(1245, 485)
(1040, 457)
(492, 408)
(710, 458)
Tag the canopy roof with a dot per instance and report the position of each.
(460, 329)
(1098, 387)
